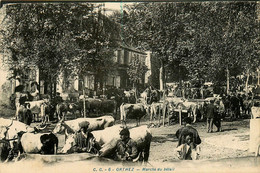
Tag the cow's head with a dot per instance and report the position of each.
(4, 130)
(171, 106)
(146, 107)
(70, 141)
(59, 128)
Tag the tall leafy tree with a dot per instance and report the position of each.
(206, 38)
(71, 37)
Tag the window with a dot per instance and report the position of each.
(119, 54)
(115, 58)
(126, 57)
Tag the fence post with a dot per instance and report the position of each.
(180, 116)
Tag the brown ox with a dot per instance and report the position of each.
(133, 111)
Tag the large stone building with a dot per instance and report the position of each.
(123, 57)
(117, 78)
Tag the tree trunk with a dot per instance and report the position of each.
(84, 95)
(227, 80)
(84, 101)
(247, 79)
(134, 88)
(258, 76)
(162, 77)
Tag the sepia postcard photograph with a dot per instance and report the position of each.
(129, 86)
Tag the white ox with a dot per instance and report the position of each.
(9, 130)
(44, 143)
(108, 138)
(94, 124)
(38, 108)
(156, 111)
(191, 108)
(170, 104)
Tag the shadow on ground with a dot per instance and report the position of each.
(243, 137)
(230, 129)
(162, 139)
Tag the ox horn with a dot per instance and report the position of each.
(66, 132)
(41, 128)
(10, 124)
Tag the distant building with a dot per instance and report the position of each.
(118, 78)
(123, 57)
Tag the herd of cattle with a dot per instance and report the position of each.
(166, 108)
(20, 136)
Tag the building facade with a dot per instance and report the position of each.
(117, 78)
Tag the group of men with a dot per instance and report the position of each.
(190, 93)
(234, 103)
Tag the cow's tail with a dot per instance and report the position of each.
(151, 113)
(122, 113)
(19, 143)
(148, 140)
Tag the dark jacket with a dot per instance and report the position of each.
(211, 110)
(89, 143)
(129, 147)
(188, 130)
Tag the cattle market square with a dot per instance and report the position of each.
(130, 87)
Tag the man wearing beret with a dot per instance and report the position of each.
(126, 148)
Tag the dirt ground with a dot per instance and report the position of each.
(232, 142)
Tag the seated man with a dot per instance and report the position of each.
(184, 150)
(188, 130)
(85, 141)
(126, 148)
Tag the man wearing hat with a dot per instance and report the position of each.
(211, 111)
(85, 140)
(126, 148)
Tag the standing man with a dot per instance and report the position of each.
(234, 106)
(126, 148)
(24, 113)
(218, 115)
(148, 95)
(18, 94)
(211, 110)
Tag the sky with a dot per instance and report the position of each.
(115, 6)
